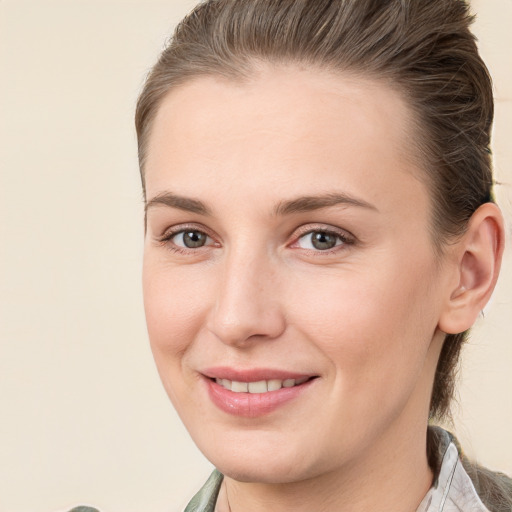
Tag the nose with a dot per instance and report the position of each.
(247, 304)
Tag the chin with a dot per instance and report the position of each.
(257, 471)
(260, 459)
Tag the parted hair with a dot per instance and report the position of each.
(424, 49)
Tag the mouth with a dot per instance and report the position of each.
(260, 386)
(257, 392)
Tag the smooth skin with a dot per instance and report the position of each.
(366, 312)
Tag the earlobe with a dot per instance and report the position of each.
(479, 254)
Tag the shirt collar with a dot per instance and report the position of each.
(453, 489)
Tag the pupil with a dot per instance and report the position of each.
(193, 239)
(323, 241)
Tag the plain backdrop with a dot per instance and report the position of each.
(83, 418)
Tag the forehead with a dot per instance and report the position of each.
(301, 127)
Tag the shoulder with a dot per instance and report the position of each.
(206, 498)
(83, 508)
(203, 501)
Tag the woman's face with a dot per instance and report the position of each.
(288, 255)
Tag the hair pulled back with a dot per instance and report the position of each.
(423, 49)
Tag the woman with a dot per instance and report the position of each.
(320, 235)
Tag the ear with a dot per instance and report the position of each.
(478, 257)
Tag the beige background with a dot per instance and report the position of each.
(83, 418)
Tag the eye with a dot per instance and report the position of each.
(320, 240)
(187, 240)
(190, 239)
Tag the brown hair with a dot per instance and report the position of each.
(423, 49)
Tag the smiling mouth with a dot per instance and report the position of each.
(261, 386)
(256, 392)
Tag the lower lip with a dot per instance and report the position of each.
(252, 405)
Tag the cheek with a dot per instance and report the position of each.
(375, 326)
(175, 304)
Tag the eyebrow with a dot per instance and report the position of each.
(181, 203)
(301, 204)
(310, 203)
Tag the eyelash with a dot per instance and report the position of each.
(344, 237)
(166, 238)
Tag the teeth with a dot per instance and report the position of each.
(258, 387)
(239, 387)
(275, 384)
(261, 386)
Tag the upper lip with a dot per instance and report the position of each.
(251, 374)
